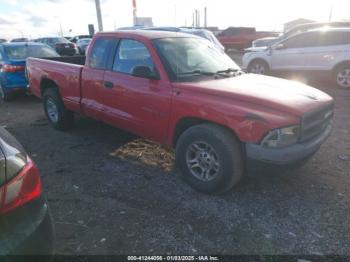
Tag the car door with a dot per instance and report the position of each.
(92, 76)
(326, 49)
(137, 104)
(286, 55)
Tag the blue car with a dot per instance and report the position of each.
(12, 65)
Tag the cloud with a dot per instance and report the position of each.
(37, 21)
(4, 21)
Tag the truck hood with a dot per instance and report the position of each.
(275, 93)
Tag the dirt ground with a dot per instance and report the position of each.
(112, 193)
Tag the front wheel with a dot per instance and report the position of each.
(342, 76)
(210, 158)
(258, 67)
(56, 113)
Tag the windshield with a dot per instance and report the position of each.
(184, 55)
(22, 52)
(55, 40)
(84, 41)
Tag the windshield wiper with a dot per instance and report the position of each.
(197, 72)
(227, 71)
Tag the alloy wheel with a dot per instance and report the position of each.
(343, 78)
(202, 161)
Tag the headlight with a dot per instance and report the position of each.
(282, 137)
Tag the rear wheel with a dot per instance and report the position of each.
(210, 158)
(258, 67)
(56, 113)
(4, 95)
(342, 76)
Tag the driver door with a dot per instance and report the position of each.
(288, 55)
(132, 103)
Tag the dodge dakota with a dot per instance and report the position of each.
(180, 91)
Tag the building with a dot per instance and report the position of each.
(299, 21)
(144, 21)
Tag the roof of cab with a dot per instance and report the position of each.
(149, 34)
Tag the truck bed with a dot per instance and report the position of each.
(66, 72)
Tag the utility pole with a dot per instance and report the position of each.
(134, 12)
(99, 15)
(61, 30)
(330, 14)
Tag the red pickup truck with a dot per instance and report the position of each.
(178, 90)
(240, 38)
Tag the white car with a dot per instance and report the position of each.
(325, 50)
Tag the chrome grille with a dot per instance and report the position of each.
(315, 122)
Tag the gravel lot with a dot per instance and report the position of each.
(112, 193)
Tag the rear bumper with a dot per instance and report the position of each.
(28, 230)
(13, 82)
(287, 155)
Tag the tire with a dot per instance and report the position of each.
(59, 117)
(221, 150)
(342, 76)
(4, 95)
(259, 67)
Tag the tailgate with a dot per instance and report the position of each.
(44, 73)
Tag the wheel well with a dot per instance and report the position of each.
(188, 122)
(46, 84)
(341, 64)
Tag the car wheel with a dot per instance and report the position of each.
(342, 76)
(258, 67)
(56, 113)
(210, 158)
(4, 95)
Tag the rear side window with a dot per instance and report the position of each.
(132, 53)
(336, 38)
(99, 53)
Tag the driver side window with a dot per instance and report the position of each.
(302, 41)
(132, 53)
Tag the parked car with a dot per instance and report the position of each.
(261, 44)
(82, 44)
(60, 44)
(320, 50)
(25, 222)
(75, 39)
(240, 38)
(12, 65)
(303, 28)
(206, 34)
(23, 39)
(177, 90)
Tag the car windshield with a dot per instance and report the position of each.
(55, 40)
(22, 52)
(182, 56)
(84, 41)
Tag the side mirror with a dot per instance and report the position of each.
(144, 72)
(280, 47)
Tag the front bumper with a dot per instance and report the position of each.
(287, 155)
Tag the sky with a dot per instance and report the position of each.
(35, 18)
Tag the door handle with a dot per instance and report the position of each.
(108, 84)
